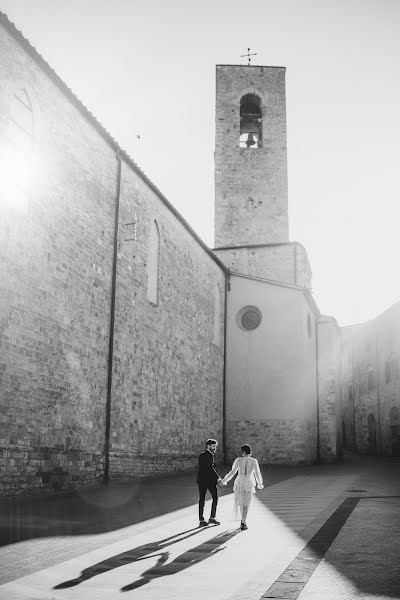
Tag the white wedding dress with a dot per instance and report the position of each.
(249, 475)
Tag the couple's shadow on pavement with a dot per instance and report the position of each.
(190, 557)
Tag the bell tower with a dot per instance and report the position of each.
(250, 156)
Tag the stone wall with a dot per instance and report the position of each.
(56, 260)
(271, 390)
(286, 263)
(250, 183)
(56, 264)
(303, 268)
(330, 442)
(347, 397)
(280, 442)
(168, 365)
(371, 384)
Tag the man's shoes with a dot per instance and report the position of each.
(243, 526)
(203, 524)
(213, 522)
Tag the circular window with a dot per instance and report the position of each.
(309, 325)
(248, 318)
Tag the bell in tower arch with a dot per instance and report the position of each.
(250, 121)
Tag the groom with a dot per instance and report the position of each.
(207, 479)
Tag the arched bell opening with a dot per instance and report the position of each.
(250, 122)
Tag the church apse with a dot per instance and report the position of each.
(271, 372)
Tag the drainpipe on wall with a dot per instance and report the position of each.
(106, 476)
(317, 369)
(227, 288)
(378, 398)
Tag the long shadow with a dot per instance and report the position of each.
(103, 509)
(367, 540)
(130, 556)
(183, 561)
(96, 510)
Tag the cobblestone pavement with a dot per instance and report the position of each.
(309, 537)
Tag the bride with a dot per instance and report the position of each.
(249, 474)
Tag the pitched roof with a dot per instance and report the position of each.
(305, 291)
(85, 112)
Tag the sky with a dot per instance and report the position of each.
(147, 69)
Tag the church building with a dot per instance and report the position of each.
(271, 321)
(125, 341)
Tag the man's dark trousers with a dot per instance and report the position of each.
(203, 487)
(207, 478)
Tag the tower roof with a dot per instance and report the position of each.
(252, 66)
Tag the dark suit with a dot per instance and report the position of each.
(207, 478)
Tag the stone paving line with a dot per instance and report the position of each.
(170, 559)
(363, 561)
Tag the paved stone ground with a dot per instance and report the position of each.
(309, 537)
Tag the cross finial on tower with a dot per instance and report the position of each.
(248, 55)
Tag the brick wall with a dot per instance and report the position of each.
(284, 442)
(250, 183)
(371, 364)
(303, 269)
(55, 294)
(286, 263)
(168, 369)
(329, 389)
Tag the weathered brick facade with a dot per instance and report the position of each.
(168, 373)
(289, 442)
(115, 315)
(271, 371)
(286, 263)
(250, 183)
(370, 413)
(55, 297)
(330, 441)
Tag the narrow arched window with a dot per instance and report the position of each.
(250, 121)
(217, 315)
(153, 263)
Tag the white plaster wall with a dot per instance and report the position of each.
(271, 371)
